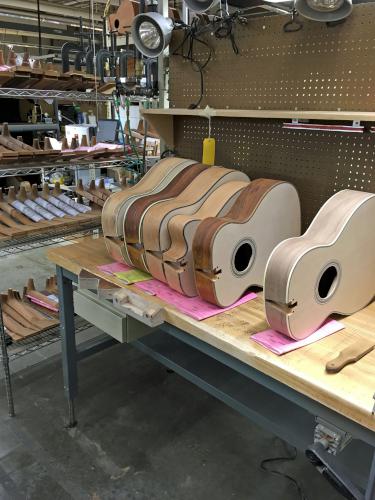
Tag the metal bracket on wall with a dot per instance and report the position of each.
(296, 124)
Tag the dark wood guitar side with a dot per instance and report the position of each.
(133, 218)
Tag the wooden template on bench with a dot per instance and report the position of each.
(329, 269)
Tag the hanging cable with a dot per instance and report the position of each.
(94, 52)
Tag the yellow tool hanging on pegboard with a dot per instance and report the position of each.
(208, 155)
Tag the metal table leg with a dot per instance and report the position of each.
(68, 341)
(370, 490)
(5, 363)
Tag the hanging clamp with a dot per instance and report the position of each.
(294, 24)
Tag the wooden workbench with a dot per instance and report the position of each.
(349, 392)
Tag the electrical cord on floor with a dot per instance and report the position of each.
(287, 458)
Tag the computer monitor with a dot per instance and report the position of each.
(107, 131)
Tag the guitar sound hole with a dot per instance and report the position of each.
(243, 257)
(327, 282)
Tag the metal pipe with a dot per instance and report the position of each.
(5, 362)
(39, 28)
(104, 34)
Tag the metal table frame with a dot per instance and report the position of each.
(264, 400)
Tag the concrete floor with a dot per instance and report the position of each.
(143, 433)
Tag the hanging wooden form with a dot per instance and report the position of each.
(331, 268)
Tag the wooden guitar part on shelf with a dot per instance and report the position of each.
(69, 210)
(13, 144)
(51, 285)
(12, 211)
(79, 206)
(89, 194)
(27, 312)
(132, 250)
(21, 319)
(117, 205)
(329, 269)
(155, 235)
(231, 252)
(40, 298)
(64, 144)
(178, 259)
(356, 351)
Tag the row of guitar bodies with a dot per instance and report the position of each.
(210, 231)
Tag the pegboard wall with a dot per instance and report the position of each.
(317, 68)
(317, 163)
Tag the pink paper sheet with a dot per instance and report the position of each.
(42, 304)
(281, 344)
(114, 267)
(192, 306)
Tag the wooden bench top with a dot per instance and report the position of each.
(349, 392)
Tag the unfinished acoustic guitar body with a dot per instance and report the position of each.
(154, 226)
(329, 269)
(133, 219)
(178, 259)
(116, 206)
(230, 253)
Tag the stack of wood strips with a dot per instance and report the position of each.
(14, 149)
(96, 195)
(28, 213)
(44, 299)
(42, 78)
(21, 319)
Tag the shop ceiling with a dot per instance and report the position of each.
(59, 18)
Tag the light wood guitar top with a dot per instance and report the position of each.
(231, 252)
(330, 269)
(348, 392)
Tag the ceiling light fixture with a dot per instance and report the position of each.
(324, 10)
